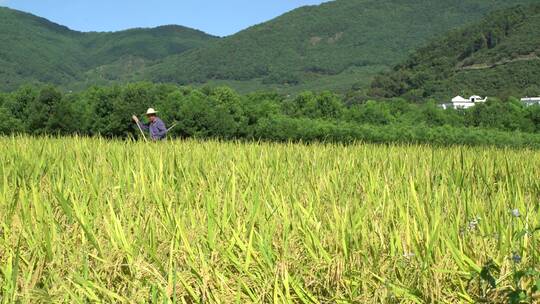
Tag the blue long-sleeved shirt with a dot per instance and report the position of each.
(157, 129)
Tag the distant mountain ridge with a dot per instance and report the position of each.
(346, 40)
(499, 56)
(37, 50)
(336, 45)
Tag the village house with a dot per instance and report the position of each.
(459, 102)
(531, 101)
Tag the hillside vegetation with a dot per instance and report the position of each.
(37, 50)
(337, 45)
(222, 113)
(356, 38)
(498, 56)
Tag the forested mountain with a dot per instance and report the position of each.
(499, 56)
(334, 45)
(34, 49)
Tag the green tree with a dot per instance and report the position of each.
(18, 101)
(432, 115)
(260, 107)
(62, 118)
(102, 102)
(40, 110)
(195, 114)
(228, 120)
(533, 115)
(8, 123)
(324, 105)
(371, 112)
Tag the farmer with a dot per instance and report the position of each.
(157, 128)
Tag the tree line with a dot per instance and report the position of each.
(224, 114)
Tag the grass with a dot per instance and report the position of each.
(91, 220)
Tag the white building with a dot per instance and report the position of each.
(459, 102)
(530, 101)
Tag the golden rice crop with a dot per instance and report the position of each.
(92, 220)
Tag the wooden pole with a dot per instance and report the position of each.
(174, 125)
(169, 129)
(142, 132)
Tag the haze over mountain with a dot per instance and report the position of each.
(499, 56)
(336, 46)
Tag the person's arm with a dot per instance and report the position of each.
(142, 125)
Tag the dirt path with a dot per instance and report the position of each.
(483, 66)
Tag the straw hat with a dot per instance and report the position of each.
(151, 111)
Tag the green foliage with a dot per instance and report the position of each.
(337, 45)
(18, 101)
(495, 57)
(222, 113)
(40, 110)
(39, 51)
(318, 42)
(8, 123)
(309, 104)
(370, 113)
(525, 284)
(110, 109)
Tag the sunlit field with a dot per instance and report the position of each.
(93, 220)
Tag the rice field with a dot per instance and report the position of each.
(97, 221)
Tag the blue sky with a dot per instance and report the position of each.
(218, 17)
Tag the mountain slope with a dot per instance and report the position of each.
(355, 37)
(499, 56)
(120, 56)
(331, 46)
(34, 49)
(37, 50)
(151, 44)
